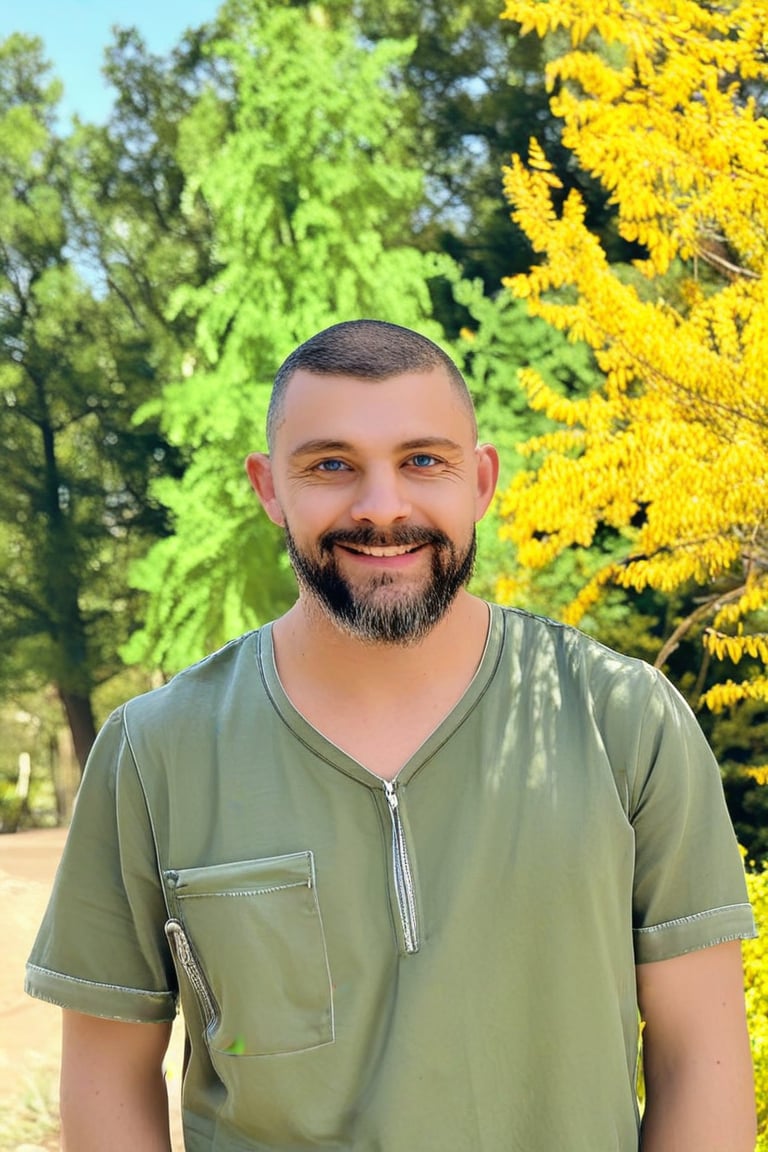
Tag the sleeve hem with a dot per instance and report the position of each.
(689, 933)
(109, 1001)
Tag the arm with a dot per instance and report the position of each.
(113, 1096)
(696, 1054)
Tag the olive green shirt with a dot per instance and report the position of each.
(444, 963)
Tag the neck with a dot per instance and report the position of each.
(306, 637)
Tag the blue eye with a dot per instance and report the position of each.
(331, 465)
(423, 460)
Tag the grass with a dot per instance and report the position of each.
(30, 1122)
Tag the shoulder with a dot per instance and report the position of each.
(181, 714)
(181, 719)
(200, 687)
(540, 643)
(632, 704)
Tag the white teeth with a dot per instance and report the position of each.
(383, 551)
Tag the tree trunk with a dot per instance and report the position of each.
(79, 714)
(65, 773)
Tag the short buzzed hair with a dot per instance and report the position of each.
(369, 350)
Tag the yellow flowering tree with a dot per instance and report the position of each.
(660, 100)
(756, 985)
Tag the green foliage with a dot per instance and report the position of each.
(498, 341)
(739, 739)
(12, 808)
(287, 166)
(477, 92)
(127, 186)
(474, 90)
(304, 174)
(267, 177)
(28, 723)
(74, 506)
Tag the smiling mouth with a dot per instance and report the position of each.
(394, 550)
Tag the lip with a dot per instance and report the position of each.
(395, 560)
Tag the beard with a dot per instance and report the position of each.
(377, 611)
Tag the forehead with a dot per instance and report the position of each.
(366, 412)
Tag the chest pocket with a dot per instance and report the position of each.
(248, 939)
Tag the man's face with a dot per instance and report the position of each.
(378, 485)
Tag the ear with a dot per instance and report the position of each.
(487, 477)
(259, 468)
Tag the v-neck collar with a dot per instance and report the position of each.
(335, 756)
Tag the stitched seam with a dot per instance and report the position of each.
(691, 919)
(633, 799)
(709, 944)
(218, 1054)
(241, 892)
(150, 815)
(97, 984)
(112, 1015)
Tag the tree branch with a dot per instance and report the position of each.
(714, 602)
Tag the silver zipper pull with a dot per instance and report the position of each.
(401, 872)
(389, 789)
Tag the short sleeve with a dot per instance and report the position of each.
(689, 890)
(101, 948)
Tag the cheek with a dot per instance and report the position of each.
(311, 513)
(457, 509)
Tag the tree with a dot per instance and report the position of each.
(661, 101)
(475, 89)
(756, 988)
(74, 507)
(500, 340)
(299, 154)
(127, 222)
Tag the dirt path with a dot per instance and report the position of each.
(29, 1029)
(30, 1044)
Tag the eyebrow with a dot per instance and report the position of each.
(311, 447)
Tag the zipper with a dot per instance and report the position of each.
(179, 941)
(401, 871)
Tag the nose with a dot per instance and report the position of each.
(381, 497)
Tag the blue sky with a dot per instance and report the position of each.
(75, 33)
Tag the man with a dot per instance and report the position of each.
(410, 861)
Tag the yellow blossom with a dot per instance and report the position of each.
(673, 449)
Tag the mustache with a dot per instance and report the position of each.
(404, 536)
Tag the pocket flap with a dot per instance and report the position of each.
(245, 877)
